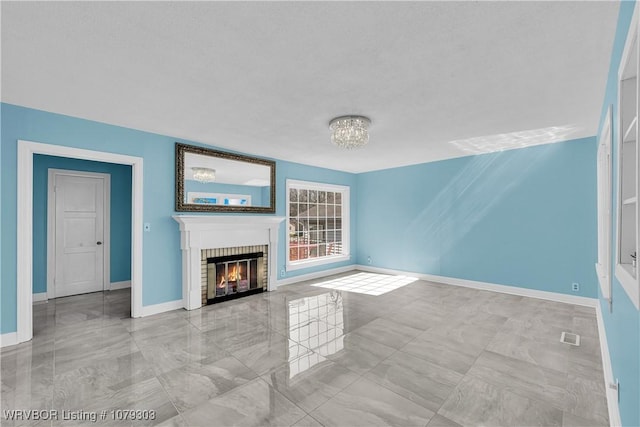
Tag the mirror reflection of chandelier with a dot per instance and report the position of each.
(204, 174)
(350, 131)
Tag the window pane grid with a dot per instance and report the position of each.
(315, 228)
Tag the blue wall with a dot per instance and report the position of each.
(521, 217)
(120, 214)
(162, 280)
(255, 192)
(623, 325)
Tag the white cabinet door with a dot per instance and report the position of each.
(79, 259)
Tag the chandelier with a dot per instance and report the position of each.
(350, 131)
(204, 174)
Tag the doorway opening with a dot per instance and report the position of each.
(26, 152)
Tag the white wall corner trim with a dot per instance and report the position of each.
(150, 310)
(512, 290)
(120, 285)
(26, 150)
(39, 297)
(8, 339)
(612, 395)
(315, 275)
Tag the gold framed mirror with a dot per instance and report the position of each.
(209, 180)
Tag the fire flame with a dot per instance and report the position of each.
(233, 276)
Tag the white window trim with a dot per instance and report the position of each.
(603, 264)
(630, 284)
(346, 220)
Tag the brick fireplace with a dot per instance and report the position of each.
(203, 237)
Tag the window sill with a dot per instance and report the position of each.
(313, 262)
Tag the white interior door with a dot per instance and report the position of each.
(79, 234)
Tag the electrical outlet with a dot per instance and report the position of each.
(369, 260)
(575, 287)
(282, 273)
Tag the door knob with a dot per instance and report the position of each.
(99, 243)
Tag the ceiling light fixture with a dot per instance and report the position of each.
(204, 174)
(350, 131)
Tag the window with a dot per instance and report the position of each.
(318, 224)
(603, 267)
(627, 167)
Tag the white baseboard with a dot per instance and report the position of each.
(120, 285)
(612, 396)
(42, 296)
(512, 290)
(150, 310)
(39, 297)
(316, 275)
(8, 339)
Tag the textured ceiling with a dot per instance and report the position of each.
(438, 79)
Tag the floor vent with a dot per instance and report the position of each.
(569, 338)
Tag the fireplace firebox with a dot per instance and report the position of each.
(234, 276)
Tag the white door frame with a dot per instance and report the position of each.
(51, 224)
(604, 199)
(26, 150)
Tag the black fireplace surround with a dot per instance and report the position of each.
(234, 276)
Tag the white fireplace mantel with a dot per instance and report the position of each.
(198, 232)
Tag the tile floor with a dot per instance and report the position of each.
(421, 355)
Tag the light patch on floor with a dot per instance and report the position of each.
(367, 283)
